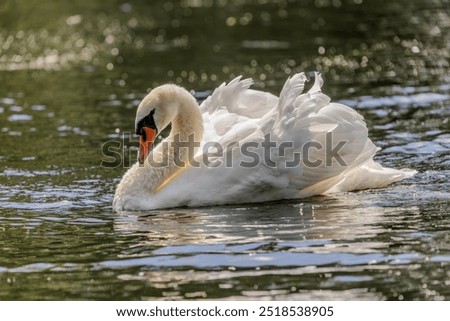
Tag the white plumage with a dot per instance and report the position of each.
(232, 126)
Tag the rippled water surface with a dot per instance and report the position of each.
(72, 75)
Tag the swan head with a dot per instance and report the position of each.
(154, 113)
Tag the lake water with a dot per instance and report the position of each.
(72, 75)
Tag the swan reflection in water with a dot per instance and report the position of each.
(348, 217)
(228, 244)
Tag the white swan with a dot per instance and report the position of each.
(248, 146)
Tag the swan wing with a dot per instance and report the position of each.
(329, 141)
(320, 146)
(237, 98)
(232, 113)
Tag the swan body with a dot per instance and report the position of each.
(241, 145)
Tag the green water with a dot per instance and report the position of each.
(72, 74)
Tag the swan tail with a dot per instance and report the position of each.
(371, 175)
(368, 176)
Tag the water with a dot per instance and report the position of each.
(72, 77)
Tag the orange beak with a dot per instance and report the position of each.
(146, 143)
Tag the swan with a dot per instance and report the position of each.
(243, 146)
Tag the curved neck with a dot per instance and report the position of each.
(188, 121)
(173, 154)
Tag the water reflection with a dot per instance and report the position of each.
(345, 243)
(342, 218)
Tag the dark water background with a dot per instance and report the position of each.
(72, 74)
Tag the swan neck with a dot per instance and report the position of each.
(188, 121)
(178, 149)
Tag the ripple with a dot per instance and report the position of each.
(415, 148)
(31, 268)
(404, 101)
(20, 117)
(28, 173)
(352, 278)
(441, 258)
(38, 206)
(252, 260)
(38, 107)
(7, 101)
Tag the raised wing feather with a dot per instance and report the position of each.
(233, 111)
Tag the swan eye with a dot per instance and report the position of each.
(147, 121)
(143, 134)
